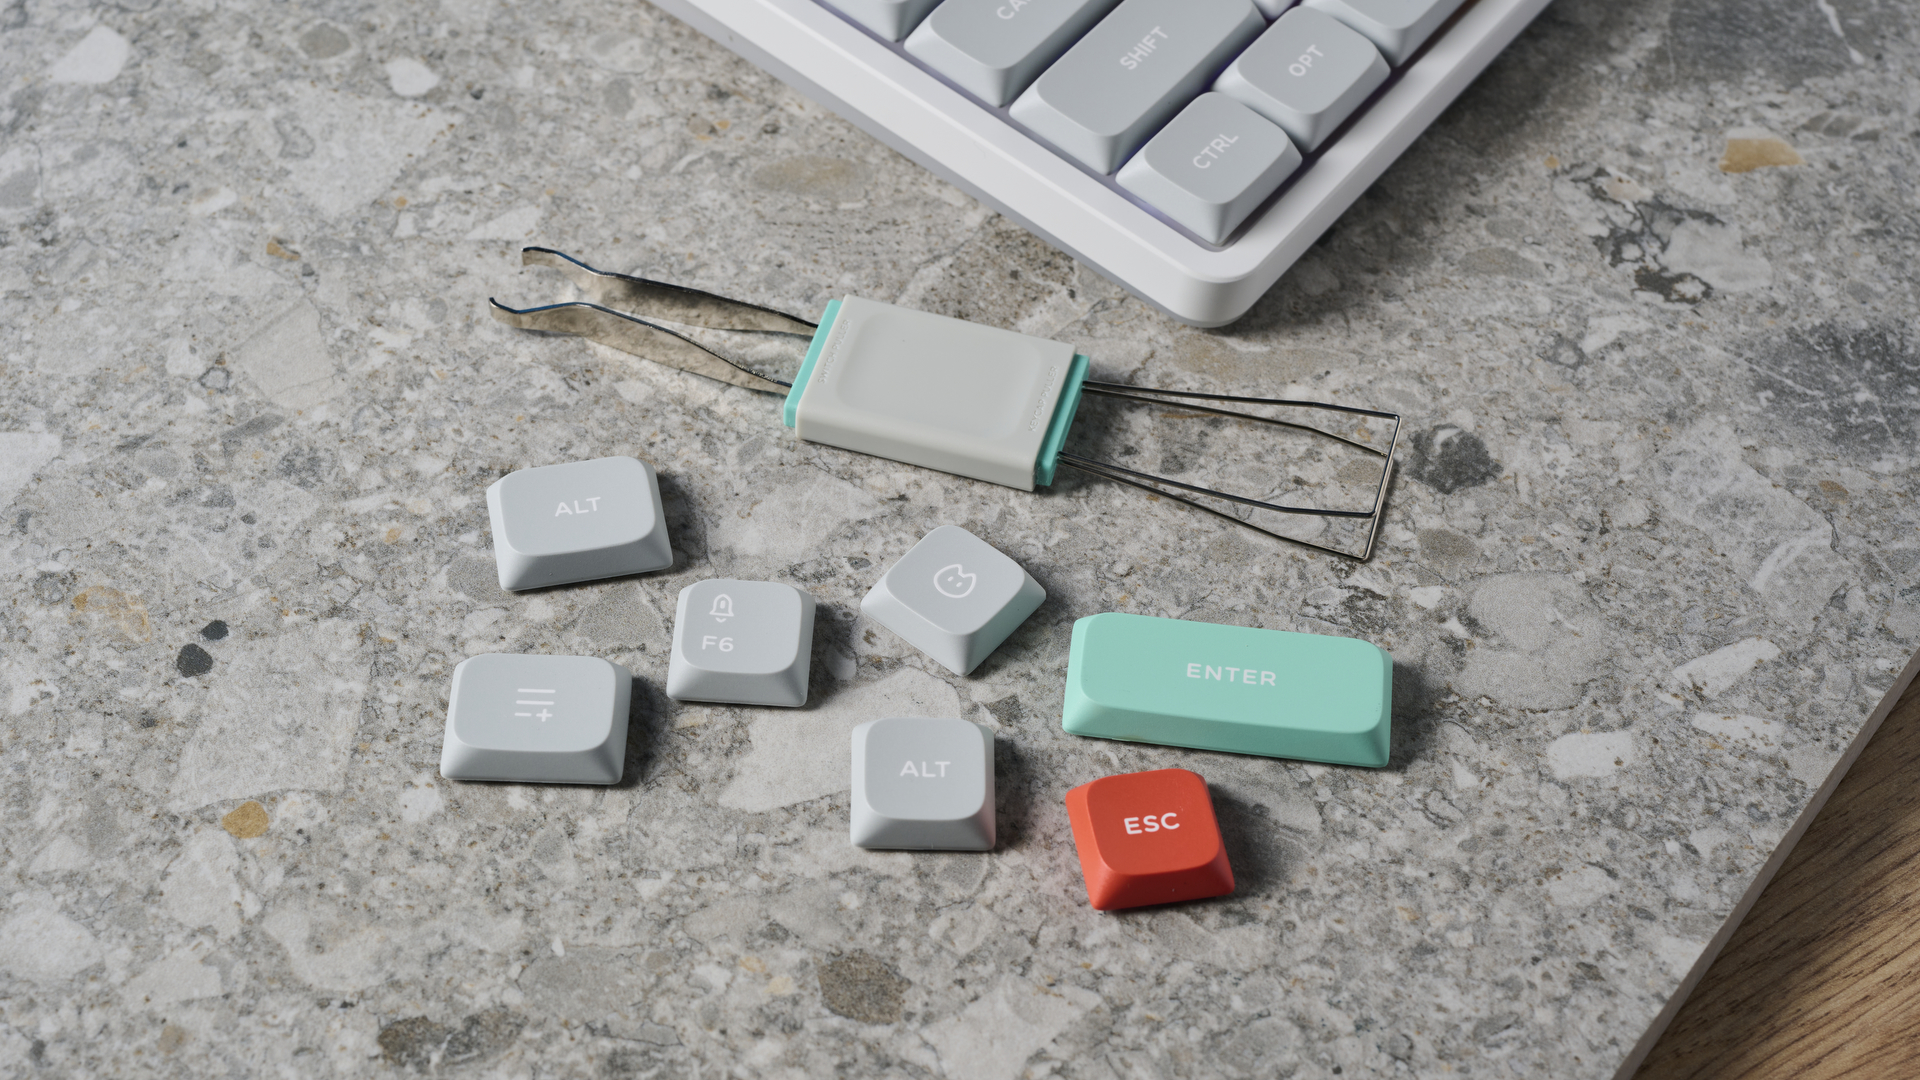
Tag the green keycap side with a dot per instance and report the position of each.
(1233, 688)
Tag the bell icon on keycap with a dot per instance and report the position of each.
(722, 608)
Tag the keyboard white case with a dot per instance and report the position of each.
(826, 57)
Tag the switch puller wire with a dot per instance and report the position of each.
(922, 389)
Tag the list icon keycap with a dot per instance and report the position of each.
(1148, 838)
(922, 785)
(741, 643)
(537, 719)
(954, 597)
(581, 521)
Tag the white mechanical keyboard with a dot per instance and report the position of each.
(1190, 150)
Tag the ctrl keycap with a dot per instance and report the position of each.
(1148, 838)
(537, 720)
(922, 785)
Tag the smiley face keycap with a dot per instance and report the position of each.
(1148, 838)
(954, 597)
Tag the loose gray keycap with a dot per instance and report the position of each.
(922, 785)
(994, 48)
(1307, 73)
(1132, 73)
(1210, 168)
(1396, 27)
(891, 19)
(954, 597)
(537, 720)
(741, 642)
(581, 521)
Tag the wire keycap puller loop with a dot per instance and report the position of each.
(937, 392)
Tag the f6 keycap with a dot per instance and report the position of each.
(1148, 838)
(742, 643)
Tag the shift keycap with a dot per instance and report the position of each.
(581, 521)
(922, 785)
(954, 597)
(1148, 838)
(1132, 73)
(1235, 688)
(1210, 168)
(1307, 73)
(741, 643)
(537, 719)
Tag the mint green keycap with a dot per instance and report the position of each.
(1232, 688)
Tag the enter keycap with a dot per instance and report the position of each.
(1148, 838)
(1240, 689)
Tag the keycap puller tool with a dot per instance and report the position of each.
(918, 388)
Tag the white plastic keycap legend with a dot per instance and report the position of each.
(741, 643)
(922, 785)
(537, 720)
(581, 521)
(954, 597)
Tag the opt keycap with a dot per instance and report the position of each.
(1210, 168)
(922, 785)
(954, 597)
(1396, 27)
(537, 719)
(1235, 688)
(994, 48)
(741, 642)
(1307, 73)
(581, 521)
(1148, 838)
(1132, 73)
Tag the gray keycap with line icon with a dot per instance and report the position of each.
(954, 597)
(741, 643)
(579, 521)
(922, 785)
(537, 720)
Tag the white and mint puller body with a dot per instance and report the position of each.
(919, 388)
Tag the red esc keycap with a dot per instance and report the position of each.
(1148, 838)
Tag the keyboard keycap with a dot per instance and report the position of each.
(1148, 838)
(922, 785)
(741, 643)
(581, 521)
(1234, 688)
(1212, 166)
(1307, 73)
(537, 720)
(891, 19)
(1396, 27)
(1132, 73)
(954, 597)
(994, 48)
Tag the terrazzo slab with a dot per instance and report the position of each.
(1645, 296)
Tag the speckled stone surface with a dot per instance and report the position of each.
(1650, 561)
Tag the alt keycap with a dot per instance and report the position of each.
(954, 597)
(537, 720)
(741, 643)
(581, 521)
(1148, 838)
(922, 785)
